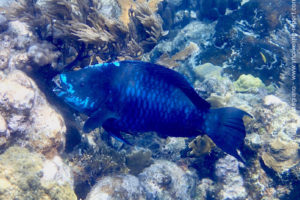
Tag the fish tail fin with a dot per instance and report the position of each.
(226, 128)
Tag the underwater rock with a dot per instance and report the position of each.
(21, 177)
(248, 83)
(3, 125)
(120, 187)
(261, 186)
(137, 161)
(194, 37)
(273, 133)
(20, 28)
(55, 170)
(6, 3)
(18, 60)
(30, 120)
(4, 57)
(222, 87)
(43, 54)
(165, 180)
(171, 150)
(3, 131)
(110, 8)
(205, 189)
(230, 179)
(3, 23)
(197, 32)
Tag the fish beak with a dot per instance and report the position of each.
(57, 88)
(57, 81)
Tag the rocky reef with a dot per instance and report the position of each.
(234, 53)
(28, 175)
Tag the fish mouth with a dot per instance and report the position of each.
(58, 87)
(57, 81)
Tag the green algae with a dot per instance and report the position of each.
(248, 83)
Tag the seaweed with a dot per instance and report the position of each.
(147, 26)
(108, 38)
(79, 25)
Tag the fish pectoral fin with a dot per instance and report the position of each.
(97, 119)
(108, 127)
(119, 137)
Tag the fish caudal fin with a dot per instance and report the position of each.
(226, 128)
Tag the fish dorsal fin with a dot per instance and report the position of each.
(175, 79)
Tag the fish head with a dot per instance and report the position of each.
(83, 89)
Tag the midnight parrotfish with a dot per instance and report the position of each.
(136, 97)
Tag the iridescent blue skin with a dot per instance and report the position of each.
(136, 97)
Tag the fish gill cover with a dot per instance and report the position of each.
(234, 53)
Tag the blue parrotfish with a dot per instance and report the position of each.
(135, 97)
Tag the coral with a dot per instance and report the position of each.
(274, 133)
(205, 189)
(281, 155)
(139, 160)
(55, 170)
(165, 180)
(30, 120)
(21, 177)
(18, 60)
(93, 162)
(117, 187)
(3, 23)
(3, 131)
(230, 179)
(20, 28)
(207, 70)
(172, 148)
(200, 146)
(194, 36)
(248, 83)
(109, 8)
(4, 57)
(43, 54)
(188, 51)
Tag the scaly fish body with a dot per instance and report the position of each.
(135, 97)
(148, 103)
